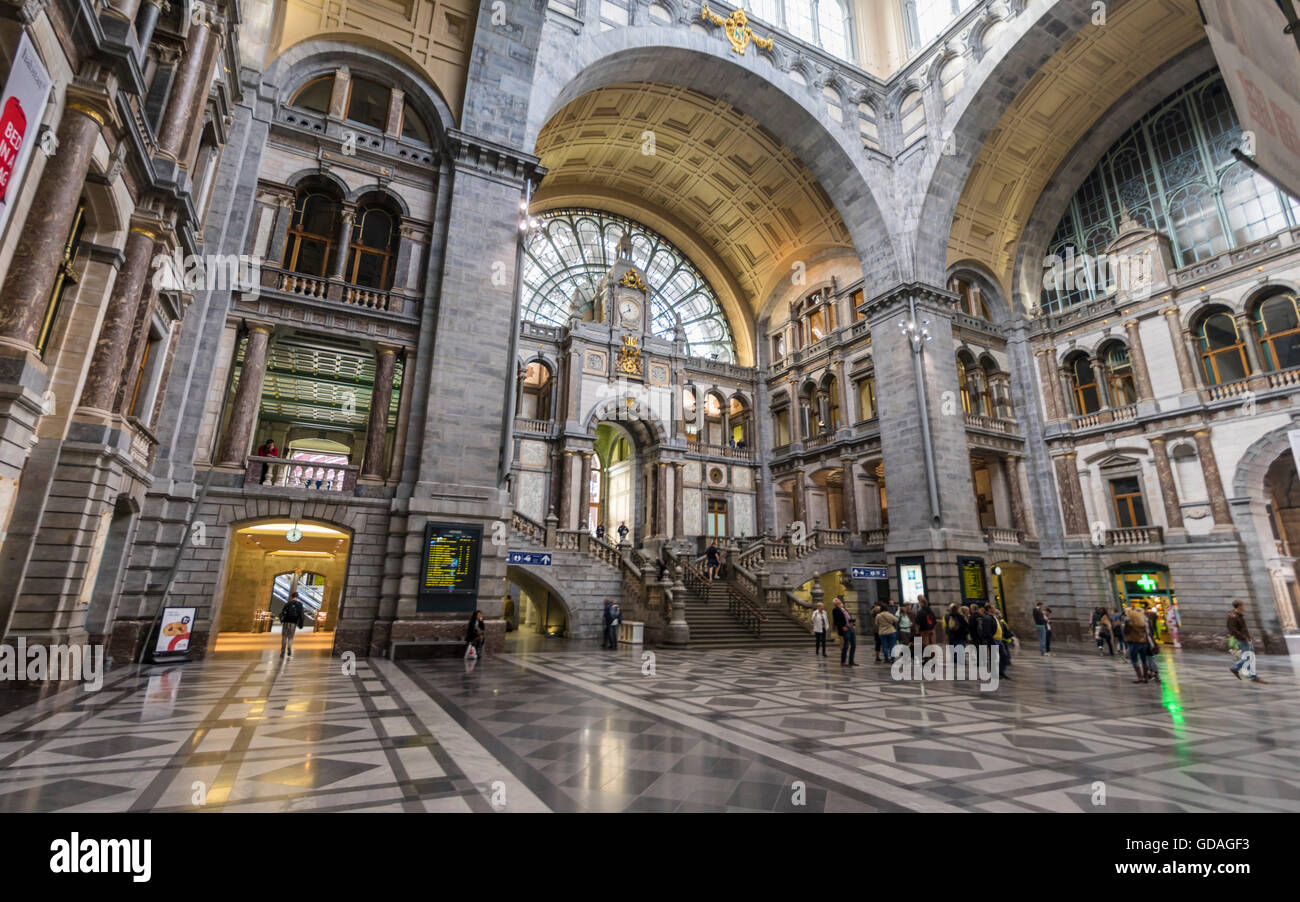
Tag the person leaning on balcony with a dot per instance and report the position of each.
(267, 449)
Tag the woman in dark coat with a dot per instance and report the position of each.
(476, 632)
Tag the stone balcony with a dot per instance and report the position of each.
(336, 291)
(1135, 536)
(270, 473)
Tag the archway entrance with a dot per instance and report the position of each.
(1145, 586)
(1010, 590)
(1282, 494)
(268, 560)
(617, 474)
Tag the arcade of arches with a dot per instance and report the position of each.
(659, 286)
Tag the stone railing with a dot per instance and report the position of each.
(568, 539)
(276, 472)
(605, 551)
(1087, 420)
(306, 286)
(827, 538)
(998, 535)
(875, 538)
(528, 527)
(727, 451)
(818, 440)
(1127, 412)
(143, 443)
(1135, 535)
(528, 424)
(1228, 390)
(370, 298)
(1284, 378)
(990, 424)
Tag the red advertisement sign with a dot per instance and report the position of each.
(13, 126)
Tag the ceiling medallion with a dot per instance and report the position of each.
(736, 27)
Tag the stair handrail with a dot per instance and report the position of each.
(528, 526)
(800, 611)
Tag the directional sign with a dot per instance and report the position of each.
(535, 558)
(870, 572)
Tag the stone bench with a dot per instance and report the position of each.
(411, 643)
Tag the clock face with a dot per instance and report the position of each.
(293, 535)
(629, 310)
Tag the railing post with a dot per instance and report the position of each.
(552, 523)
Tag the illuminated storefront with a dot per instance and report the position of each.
(1145, 586)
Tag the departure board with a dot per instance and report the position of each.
(449, 581)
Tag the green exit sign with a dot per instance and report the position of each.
(1147, 583)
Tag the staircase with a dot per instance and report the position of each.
(714, 627)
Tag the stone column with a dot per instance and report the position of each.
(797, 496)
(126, 381)
(115, 333)
(393, 124)
(39, 252)
(566, 491)
(340, 91)
(381, 398)
(123, 9)
(1011, 476)
(584, 490)
(1072, 507)
(1051, 383)
(1186, 376)
(1213, 484)
(1101, 377)
(1069, 400)
(1246, 331)
(1165, 476)
(147, 22)
(1141, 376)
(341, 242)
(248, 397)
(849, 489)
(407, 243)
(189, 89)
(661, 494)
(871, 513)
(679, 515)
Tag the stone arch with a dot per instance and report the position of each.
(381, 194)
(329, 178)
(978, 273)
(651, 427)
(794, 114)
(534, 580)
(327, 52)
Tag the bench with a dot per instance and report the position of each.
(393, 646)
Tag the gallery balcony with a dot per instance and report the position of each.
(270, 473)
(1135, 536)
(336, 291)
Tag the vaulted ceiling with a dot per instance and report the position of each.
(1052, 114)
(714, 182)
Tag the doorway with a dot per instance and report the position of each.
(1146, 586)
(716, 524)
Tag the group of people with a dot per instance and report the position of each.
(891, 624)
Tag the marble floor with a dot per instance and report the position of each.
(554, 725)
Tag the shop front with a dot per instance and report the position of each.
(1146, 586)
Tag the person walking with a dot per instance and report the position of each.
(611, 619)
(925, 621)
(291, 617)
(887, 628)
(1135, 639)
(1238, 630)
(1047, 615)
(848, 635)
(1004, 636)
(476, 633)
(622, 533)
(1173, 620)
(1101, 630)
(871, 625)
(1117, 630)
(711, 557)
(819, 626)
(955, 625)
(1040, 624)
(600, 530)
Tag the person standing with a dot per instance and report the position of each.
(925, 621)
(291, 616)
(1238, 630)
(1117, 630)
(820, 628)
(1101, 630)
(1135, 638)
(1047, 615)
(887, 628)
(904, 624)
(871, 625)
(622, 533)
(476, 632)
(611, 619)
(954, 624)
(600, 530)
(848, 635)
(1173, 620)
(1040, 624)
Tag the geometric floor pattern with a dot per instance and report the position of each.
(569, 727)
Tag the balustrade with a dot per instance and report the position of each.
(275, 472)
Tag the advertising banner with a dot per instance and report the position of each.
(21, 108)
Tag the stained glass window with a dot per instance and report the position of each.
(1173, 171)
(575, 249)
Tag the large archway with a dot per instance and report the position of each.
(1266, 511)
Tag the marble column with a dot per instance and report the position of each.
(566, 491)
(136, 350)
(1051, 383)
(584, 490)
(1072, 507)
(1011, 476)
(557, 482)
(147, 22)
(1182, 356)
(189, 89)
(393, 122)
(1065, 385)
(679, 489)
(381, 398)
(1246, 331)
(661, 493)
(43, 235)
(115, 333)
(123, 9)
(248, 397)
(848, 487)
(341, 242)
(1101, 377)
(1213, 484)
(1141, 376)
(797, 496)
(1165, 476)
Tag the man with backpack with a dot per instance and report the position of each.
(925, 621)
(291, 616)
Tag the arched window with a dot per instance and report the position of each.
(1119, 376)
(868, 130)
(738, 421)
(972, 299)
(372, 252)
(925, 20)
(1278, 326)
(313, 96)
(986, 374)
(713, 419)
(912, 116)
(799, 20)
(866, 398)
(368, 103)
(312, 232)
(833, 28)
(414, 127)
(965, 365)
(1223, 354)
(535, 402)
(1086, 397)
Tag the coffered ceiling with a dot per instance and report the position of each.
(1054, 112)
(710, 178)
